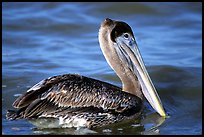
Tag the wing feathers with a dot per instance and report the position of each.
(74, 91)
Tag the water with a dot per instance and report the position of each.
(44, 39)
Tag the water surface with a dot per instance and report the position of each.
(40, 40)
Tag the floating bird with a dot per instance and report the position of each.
(72, 100)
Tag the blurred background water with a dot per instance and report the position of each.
(40, 40)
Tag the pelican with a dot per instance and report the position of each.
(72, 100)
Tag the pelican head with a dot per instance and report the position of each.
(120, 49)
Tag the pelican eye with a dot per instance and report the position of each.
(126, 35)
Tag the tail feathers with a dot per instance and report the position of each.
(13, 115)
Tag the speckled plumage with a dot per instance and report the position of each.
(74, 95)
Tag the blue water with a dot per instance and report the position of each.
(40, 40)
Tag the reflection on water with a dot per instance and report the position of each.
(45, 39)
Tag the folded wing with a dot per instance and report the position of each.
(73, 93)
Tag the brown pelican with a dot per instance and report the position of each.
(72, 100)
